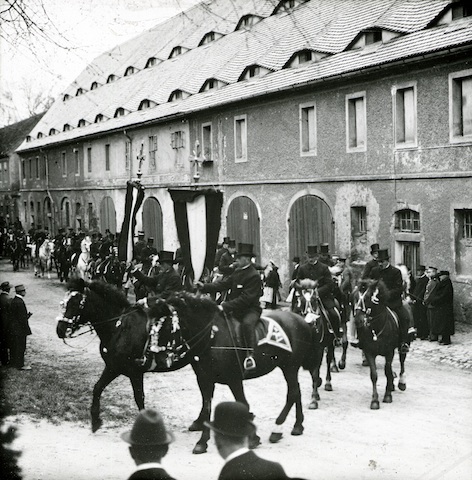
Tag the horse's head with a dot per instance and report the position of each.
(369, 298)
(72, 306)
(307, 301)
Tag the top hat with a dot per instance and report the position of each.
(148, 429)
(5, 286)
(443, 272)
(231, 243)
(296, 259)
(383, 254)
(312, 250)
(375, 247)
(245, 250)
(19, 288)
(232, 419)
(324, 248)
(421, 267)
(226, 240)
(165, 256)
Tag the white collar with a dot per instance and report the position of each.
(147, 466)
(236, 453)
(18, 295)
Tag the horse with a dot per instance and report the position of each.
(16, 252)
(82, 267)
(316, 316)
(63, 261)
(378, 331)
(44, 259)
(208, 344)
(111, 270)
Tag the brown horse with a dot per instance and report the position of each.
(209, 343)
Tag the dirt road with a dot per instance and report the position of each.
(426, 433)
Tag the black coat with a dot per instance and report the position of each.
(245, 287)
(5, 301)
(319, 272)
(420, 287)
(251, 467)
(393, 280)
(18, 324)
(163, 284)
(369, 266)
(151, 474)
(441, 308)
(226, 261)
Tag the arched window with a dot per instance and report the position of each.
(176, 51)
(40, 135)
(119, 112)
(82, 123)
(111, 78)
(94, 86)
(99, 118)
(80, 91)
(144, 104)
(130, 71)
(208, 38)
(247, 22)
(66, 97)
(53, 131)
(66, 127)
(151, 62)
(28, 138)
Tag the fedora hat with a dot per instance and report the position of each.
(232, 419)
(383, 254)
(245, 250)
(312, 250)
(165, 256)
(148, 429)
(19, 288)
(324, 248)
(375, 247)
(5, 286)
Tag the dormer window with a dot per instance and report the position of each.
(28, 138)
(146, 104)
(305, 56)
(82, 123)
(80, 91)
(253, 71)
(461, 11)
(151, 62)
(53, 131)
(94, 86)
(208, 38)
(286, 5)
(373, 36)
(130, 71)
(66, 97)
(176, 95)
(176, 51)
(40, 135)
(119, 112)
(212, 84)
(247, 22)
(99, 118)
(111, 78)
(66, 127)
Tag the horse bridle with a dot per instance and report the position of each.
(368, 318)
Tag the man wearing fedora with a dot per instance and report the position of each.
(19, 329)
(393, 281)
(232, 425)
(372, 263)
(245, 289)
(167, 281)
(149, 443)
(313, 269)
(4, 322)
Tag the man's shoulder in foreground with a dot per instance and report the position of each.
(249, 466)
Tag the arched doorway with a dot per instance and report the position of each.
(152, 222)
(107, 216)
(243, 223)
(310, 223)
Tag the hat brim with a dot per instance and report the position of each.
(126, 436)
(249, 255)
(250, 430)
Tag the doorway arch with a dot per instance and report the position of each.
(152, 222)
(107, 215)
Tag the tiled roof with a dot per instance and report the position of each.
(327, 26)
(13, 135)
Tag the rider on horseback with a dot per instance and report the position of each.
(245, 287)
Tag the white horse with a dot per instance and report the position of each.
(83, 263)
(44, 262)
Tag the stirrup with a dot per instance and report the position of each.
(249, 363)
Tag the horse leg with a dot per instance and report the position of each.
(316, 380)
(207, 388)
(402, 379)
(389, 374)
(105, 379)
(137, 382)
(329, 361)
(237, 389)
(370, 358)
(342, 362)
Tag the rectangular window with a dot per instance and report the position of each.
(460, 106)
(177, 139)
(23, 169)
(127, 155)
(76, 161)
(466, 230)
(38, 212)
(356, 127)
(64, 164)
(36, 167)
(107, 157)
(207, 141)
(240, 138)
(30, 166)
(359, 219)
(153, 152)
(307, 129)
(90, 215)
(409, 221)
(89, 159)
(405, 116)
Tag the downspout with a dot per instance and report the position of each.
(130, 150)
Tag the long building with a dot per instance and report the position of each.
(339, 121)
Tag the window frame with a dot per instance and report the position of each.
(89, 159)
(395, 91)
(209, 127)
(243, 158)
(310, 152)
(76, 162)
(350, 103)
(453, 77)
(107, 157)
(64, 163)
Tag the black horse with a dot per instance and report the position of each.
(311, 307)
(62, 259)
(379, 334)
(209, 343)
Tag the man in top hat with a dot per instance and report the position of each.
(19, 329)
(419, 308)
(325, 256)
(138, 247)
(232, 425)
(373, 263)
(166, 281)
(245, 290)
(313, 269)
(221, 251)
(433, 280)
(146, 254)
(226, 265)
(393, 281)
(5, 300)
(149, 443)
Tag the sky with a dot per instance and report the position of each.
(75, 32)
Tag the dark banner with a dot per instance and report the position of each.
(198, 221)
